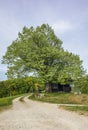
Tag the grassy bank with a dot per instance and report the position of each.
(62, 98)
(7, 101)
(83, 110)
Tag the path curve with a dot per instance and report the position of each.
(33, 115)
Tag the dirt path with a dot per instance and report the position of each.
(32, 115)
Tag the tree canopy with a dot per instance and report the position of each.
(39, 51)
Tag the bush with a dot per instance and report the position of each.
(81, 84)
(19, 86)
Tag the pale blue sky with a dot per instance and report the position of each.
(68, 18)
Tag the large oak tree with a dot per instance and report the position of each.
(39, 51)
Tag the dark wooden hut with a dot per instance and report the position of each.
(52, 87)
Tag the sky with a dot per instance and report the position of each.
(68, 18)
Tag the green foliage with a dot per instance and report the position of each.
(81, 84)
(39, 51)
(19, 86)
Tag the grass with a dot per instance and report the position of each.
(83, 110)
(6, 102)
(65, 98)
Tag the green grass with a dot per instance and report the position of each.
(63, 98)
(8, 100)
(5, 103)
(80, 109)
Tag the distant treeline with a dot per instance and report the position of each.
(19, 86)
(34, 84)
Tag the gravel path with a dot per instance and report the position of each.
(33, 115)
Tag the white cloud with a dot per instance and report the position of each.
(62, 26)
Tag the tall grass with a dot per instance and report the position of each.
(63, 98)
